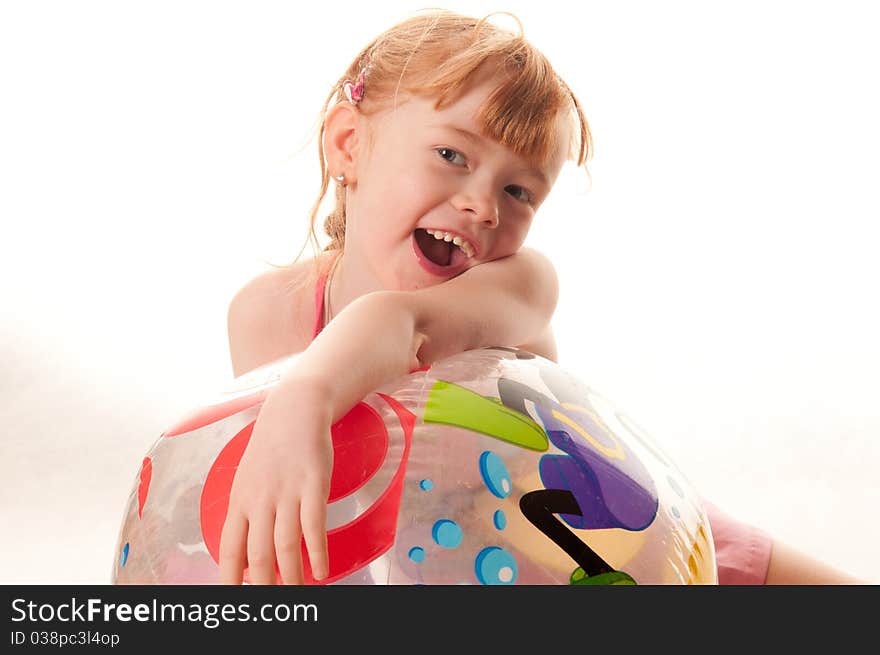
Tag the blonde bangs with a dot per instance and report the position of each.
(522, 112)
(437, 56)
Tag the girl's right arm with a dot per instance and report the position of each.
(280, 490)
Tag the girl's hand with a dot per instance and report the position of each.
(280, 490)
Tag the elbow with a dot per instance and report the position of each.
(546, 293)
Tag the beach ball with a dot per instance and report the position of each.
(493, 467)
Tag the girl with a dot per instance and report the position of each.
(446, 136)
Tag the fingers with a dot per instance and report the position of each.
(288, 549)
(261, 549)
(233, 549)
(256, 544)
(314, 527)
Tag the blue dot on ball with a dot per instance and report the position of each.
(417, 554)
(495, 566)
(447, 533)
(426, 485)
(495, 474)
(499, 519)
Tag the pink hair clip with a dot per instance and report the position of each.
(355, 92)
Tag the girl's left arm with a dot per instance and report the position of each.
(507, 302)
(280, 490)
(386, 334)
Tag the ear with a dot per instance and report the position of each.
(342, 129)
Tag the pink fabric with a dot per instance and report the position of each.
(742, 551)
(319, 304)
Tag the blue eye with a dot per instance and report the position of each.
(528, 196)
(442, 150)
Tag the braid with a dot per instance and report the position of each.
(334, 224)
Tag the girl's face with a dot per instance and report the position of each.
(431, 170)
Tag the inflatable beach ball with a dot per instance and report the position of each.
(494, 467)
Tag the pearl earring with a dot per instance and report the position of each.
(340, 179)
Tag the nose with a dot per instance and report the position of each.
(479, 204)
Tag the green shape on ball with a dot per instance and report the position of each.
(579, 577)
(452, 404)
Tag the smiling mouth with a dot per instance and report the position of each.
(440, 252)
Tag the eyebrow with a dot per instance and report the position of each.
(476, 138)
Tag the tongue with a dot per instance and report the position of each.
(437, 250)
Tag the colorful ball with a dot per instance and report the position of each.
(494, 466)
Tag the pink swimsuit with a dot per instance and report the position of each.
(319, 305)
(742, 551)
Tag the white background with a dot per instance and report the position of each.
(718, 276)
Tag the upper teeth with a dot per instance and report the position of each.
(465, 247)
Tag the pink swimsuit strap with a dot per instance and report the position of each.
(319, 303)
(319, 309)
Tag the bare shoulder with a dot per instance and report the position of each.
(271, 316)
